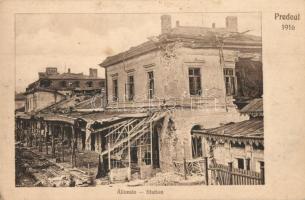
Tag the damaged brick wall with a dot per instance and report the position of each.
(175, 139)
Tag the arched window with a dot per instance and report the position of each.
(196, 146)
(196, 142)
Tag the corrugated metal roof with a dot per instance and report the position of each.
(254, 106)
(253, 128)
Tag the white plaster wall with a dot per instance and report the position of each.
(171, 75)
(42, 99)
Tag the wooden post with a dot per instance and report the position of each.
(46, 137)
(151, 149)
(35, 134)
(184, 160)
(206, 170)
(109, 159)
(41, 131)
(129, 156)
(73, 155)
(184, 166)
(230, 173)
(53, 141)
(62, 143)
(30, 133)
(262, 174)
(140, 152)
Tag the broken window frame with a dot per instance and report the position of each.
(115, 91)
(76, 83)
(63, 83)
(197, 150)
(230, 81)
(130, 87)
(240, 163)
(194, 74)
(102, 84)
(151, 84)
(45, 83)
(89, 83)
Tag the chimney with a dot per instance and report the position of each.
(69, 70)
(166, 24)
(177, 24)
(93, 73)
(231, 23)
(213, 25)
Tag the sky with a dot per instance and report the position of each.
(83, 41)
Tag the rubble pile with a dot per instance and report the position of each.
(33, 170)
(170, 178)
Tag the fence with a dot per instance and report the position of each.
(187, 102)
(227, 175)
(220, 174)
(189, 167)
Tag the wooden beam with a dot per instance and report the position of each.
(108, 127)
(124, 140)
(127, 125)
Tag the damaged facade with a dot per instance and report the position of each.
(53, 87)
(191, 70)
(167, 98)
(239, 143)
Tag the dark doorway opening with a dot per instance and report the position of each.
(83, 135)
(155, 149)
(92, 142)
(134, 159)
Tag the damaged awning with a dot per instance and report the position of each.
(57, 118)
(254, 108)
(23, 116)
(249, 130)
(100, 121)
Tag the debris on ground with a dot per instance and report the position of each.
(136, 183)
(34, 170)
(170, 178)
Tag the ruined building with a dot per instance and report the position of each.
(53, 87)
(185, 77)
(158, 93)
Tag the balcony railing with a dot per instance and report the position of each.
(208, 103)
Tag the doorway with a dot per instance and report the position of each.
(92, 142)
(155, 148)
